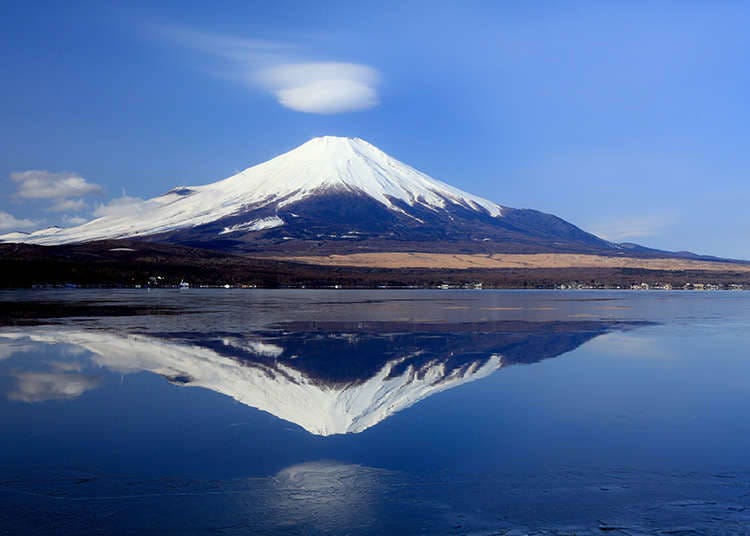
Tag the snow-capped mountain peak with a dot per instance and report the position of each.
(322, 165)
(331, 162)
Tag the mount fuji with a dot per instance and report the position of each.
(331, 194)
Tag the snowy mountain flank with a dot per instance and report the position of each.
(340, 193)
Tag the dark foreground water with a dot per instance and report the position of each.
(374, 412)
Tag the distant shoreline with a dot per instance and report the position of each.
(396, 260)
(129, 264)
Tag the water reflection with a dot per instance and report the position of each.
(337, 494)
(327, 377)
(42, 386)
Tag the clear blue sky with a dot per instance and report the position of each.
(629, 119)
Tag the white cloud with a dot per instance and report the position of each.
(300, 85)
(632, 228)
(40, 184)
(322, 88)
(72, 221)
(121, 206)
(239, 49)
(8, 222)
(68, 205)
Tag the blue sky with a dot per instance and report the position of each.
(629, 119)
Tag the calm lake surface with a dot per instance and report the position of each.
(374, 412)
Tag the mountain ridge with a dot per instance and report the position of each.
(321, 166)
(342, 194)
(333, 196)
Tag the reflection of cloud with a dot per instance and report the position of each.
(11, 347)
(304, 86)
(15, 344)
(66, 366)
(336, 494)
(627, 344)
(319, 476)
(41, 386)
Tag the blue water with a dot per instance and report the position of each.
(371, 412)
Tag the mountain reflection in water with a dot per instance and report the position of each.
(327, 377)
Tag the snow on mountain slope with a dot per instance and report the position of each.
(254, 225)
(321, 165)
(320, 408)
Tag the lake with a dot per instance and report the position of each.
(374, 412)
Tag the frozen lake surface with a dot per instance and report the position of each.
(374, 412)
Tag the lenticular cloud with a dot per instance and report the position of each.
(327, 87)
(322, 88)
